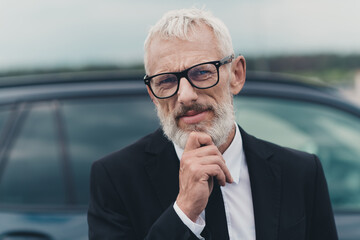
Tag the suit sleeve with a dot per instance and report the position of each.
(321, 224)
(108, 218)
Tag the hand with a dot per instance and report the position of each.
(200, 163)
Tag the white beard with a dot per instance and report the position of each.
(219, 131)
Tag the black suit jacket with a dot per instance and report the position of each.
(133, 191)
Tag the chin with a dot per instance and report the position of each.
(198, 127)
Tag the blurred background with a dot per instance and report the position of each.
(71, 92)
(318, 39)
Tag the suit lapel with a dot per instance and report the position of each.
(162, 167)
(265, 181)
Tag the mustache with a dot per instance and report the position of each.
(195, 107)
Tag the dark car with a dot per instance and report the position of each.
(53, 126)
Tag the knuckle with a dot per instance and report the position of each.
(184, 157)
(208, 138)
(214, 150)
(192, 168)
(206, 135)
(187, 165)
(193, 135)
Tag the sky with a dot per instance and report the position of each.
(73, 33)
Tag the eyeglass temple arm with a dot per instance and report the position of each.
(227, 59)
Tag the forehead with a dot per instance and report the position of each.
(175, 54)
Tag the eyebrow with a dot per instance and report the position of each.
(165, 66)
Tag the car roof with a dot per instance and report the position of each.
(70, 77)
(134, 74)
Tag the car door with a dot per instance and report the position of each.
(320, 127)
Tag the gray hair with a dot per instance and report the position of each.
(178, 23)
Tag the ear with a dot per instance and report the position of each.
(153, 98)
(238, 71)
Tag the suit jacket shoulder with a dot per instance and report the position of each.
(290, 194)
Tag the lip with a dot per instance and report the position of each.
(192, 117)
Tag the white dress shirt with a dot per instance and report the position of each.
(237, 196)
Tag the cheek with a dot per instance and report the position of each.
(222, 93)
(165, 107)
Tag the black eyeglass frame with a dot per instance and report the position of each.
(184, 74)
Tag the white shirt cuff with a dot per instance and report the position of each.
(196, 227)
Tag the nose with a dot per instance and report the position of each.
(186, 94)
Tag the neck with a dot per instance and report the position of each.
(229, 140)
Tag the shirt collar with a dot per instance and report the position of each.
(234, 155)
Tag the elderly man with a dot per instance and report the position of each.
(201, 176)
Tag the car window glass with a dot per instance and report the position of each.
(33, 173)
(332, 134)
(4, 114)
(97, 127)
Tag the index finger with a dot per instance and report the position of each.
(197, 140)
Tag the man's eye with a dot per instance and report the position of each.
(202, 72)
(167, 80)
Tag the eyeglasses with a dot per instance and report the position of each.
(201, 76)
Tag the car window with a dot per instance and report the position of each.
(4, 114)
(33, 173)
(97, 127)
(332, 134)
